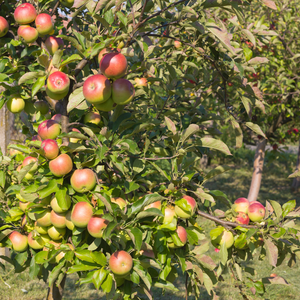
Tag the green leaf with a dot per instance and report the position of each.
(109, 17)
(60, 196)
(107, 284)
(151, 212)
(139, 205)
(28, 76)
(272, 252)
(98, 277)
(192, 129)
(277, 208)
(55, 272)
(56, 61)
(288, 207)
(84, 255)
(130, 186)
(215, 172)
(138, 166)
(33, 268)
(99, 258)
(170, 124)
(212, 143)
(76, 99)
(21, 148)
(41, 257)
(143, 276)
(2, 178)
(255, 128)
(162, 172)
(70, 59)
(165, 285)
(81, 267)
(51, 188)
(122, 17)
(38, 85)
(137, 237)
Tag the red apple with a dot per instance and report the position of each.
(177, 44)
(122, 91)
(28, 34)
(83, 180)
(102, 53)
(182, 234)
(28, 160)
(44, 24)
(113, 65)
(50, 148)
(81, 214)
(241, 204)
(58, 219)
(156, 204)
(53, 43)
(190, 208)
(106, 106)
(56, 233)
(242, 218)
(57, 118)
(120, 201)
(92, 117)
(15, 103)
(57, 208)
(141, 82)
(96, 226)
(19, 241)
(256, 212)
(49, 129)
(58, 83)
(61, 165)
(169, 215)
(43, 219)
(3, 27)
(42, 107)
(120, 263)
(25, 13)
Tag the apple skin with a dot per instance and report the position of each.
(58, 83)
(120, 201)
(192, 208)
(241, 205)
(177, 44)
(55, 96)
(169, 215)
(96, 226)
(122, 91)
(23, 205)
(36, 138)
(44, 24)
(58, 220)
(113, 65)
(28, 34)
(83, 180)
(3, 27)
(67, 3)
(40, 229)
(43, 219)
(28, 160)
(15, 104)
(25, 13)
(141, 82)
(102, 53)
(19, 241)
(256, 212)
(156, 204)
(97, 89)
(39, 242)
(225, 237)
(106, 106)
(92, 117)
(53, 43)
(57, 208)
(61, 165)
(70, 225)
(182, 234)
(49, 129)
(120, 263)
(42, 107)
(242, 218)
(81, 214)
(50, 148)
(57, 118)
(74, 140)
(56, 233)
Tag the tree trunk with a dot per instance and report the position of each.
(56, 292)
(296, 181)
(257, 170)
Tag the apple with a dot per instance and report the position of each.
(97, 89)
(61, 165)
(15, 103)
(70, 225)
(57, 208)
(156, 204)
(102, 53)
(58, 83)
(56, 233)
(120, 263)
(106, 106)
(42, 107)
(169, 215)
(25, 13)
(53, 43)
(256, 211)
(36, 138)
(182, 234)
(74, 140)
(242, 218)
(113, 65)
(39, 242)
(28, 34)
(81, 214)
(56, 96)
(177, 44)
(92, 117)
(19, 241)
(141, 82)
(225, 237)
(241, 204)
(40, 229)
(50, 148)
(43, 219)
(3, 27)
(58, 219)
(122, 91)
(190, 209)
(57, 118)
(96, 226)
(23, 205)
(83, 180)
(67, 3)
(120, 201)
(49, 129)
(28, 160)
(13, 152)
(44, 24)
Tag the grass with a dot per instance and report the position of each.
(234, 183)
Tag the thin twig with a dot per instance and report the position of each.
(54, 8)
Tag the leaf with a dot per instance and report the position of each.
(2, 178)
(28, 76)
(33, 268)
(258, 60)
(130, 186)
(138, 165)
(81, 267)
(162, 172)
(165, 285)
(192, 129)
(223, 254)
(38, 85)
(295, 174)
(60, 196)
(288, 207)
(75, 99)
(55, 272)
(57, 58)
(270, 4)
(238, 133)
(170, 124)
(272, 252)
(212, 143)
(122, 18)
(99, 258)
(51, 188)
(107, 284)
(250, 36)
(143, 277)
(277, 280)
(98, 277)
(215, 172)
(137, 237)
(151, 212)
(255, 128)
(72, 58)
(277, 208)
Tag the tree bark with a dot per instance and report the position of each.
(56, 292)
(296, 181)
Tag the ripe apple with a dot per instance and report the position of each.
(242, 218)
(241, 204)
(44, 24)
(56, 96)
(120, 201)
(28, 160)
(53, 43)
(19, 241)
(225, 237)
(23, 205)
(3, 27)
(25, 13)
(50, 148)
(190, 209)
(156, 204)
(120, 263)
(256, 212)
(40, 229)
(182, 234)
(58, 219)
(81, 214)
(97, 89)
(96, 226)
(57, 208)
(70, 225)
(177, 44)
(43, 219)
(58, 83)
(36, 138)
(42, 107)
(49, 129)
(57, 118)
(28, 34)
(39, 242)
(102, 53)
(92, 117)
(15, 103)
(122, 91)
(141, 82)
(61, 165)
(56, 233)
(169, 215)
(106, 106)
(83, 180)
(113, 65)
(67, 3)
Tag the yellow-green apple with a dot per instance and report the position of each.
(156, 204)
(169, 215)
(70, 225)
(50, 148)
(25, 13)
(242, 218)
(122, 91)
(28, 160)
(57, 208)
(58, 83)
(36, 138)
(182, 234)
(53, 43)
(189, 207)
(61, 165)
(56, 96)
(141, 82)
(44, 24)
(49, 129)
(38, 242)
(13, 152)
(83, 180)
(96, 226)
(23, 205)
(58, 219)
(113, 65)
(57, 118)
(40, 229)
(102, 53)
(120, 201)
(15, 103)
(56, 233)
(107, 105)
(81, 214)
(3, 27)
(43, 219)
(19, 241)
(67, 3)
(92, 117)
(177, 44)
(120, 263)
(41, 106)
(256, 211)
(97, 89)
(241, 204)
(225, 237)
(75, 140)
(28, 34)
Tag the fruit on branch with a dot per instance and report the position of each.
(15, 103)
(55, 96)
(3, 27)
(81, 214)
(25, 13)
(96, 226)
(70, 225)
(58, 83)
(72, 139)
(49, 129)
(156, 204)
(122, 91)
(189, 207)
(23, 205)
(56, 233)
(256, 211)
(120, 201)
(50, 148)
(242, 218)
(28, 34)
(43, 219)
(106, 106)
(113, 65)
(182, 234)
(120, 263)
(225, 237)
(13, 152)
(58, 219)
(57, 208)
(42, 107)
(177, 44)
(19, 241)
(53, 43)
(92, 117)
(44, 24)
(40, 229)
(36, 138)
(102, 53)
(83, 180)
(39, 242)
(97, 89)
(141, 82)
(169, 215)
(28, 160)
(57, 118)
(61, 165)
(241, 205)
(67, 3)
